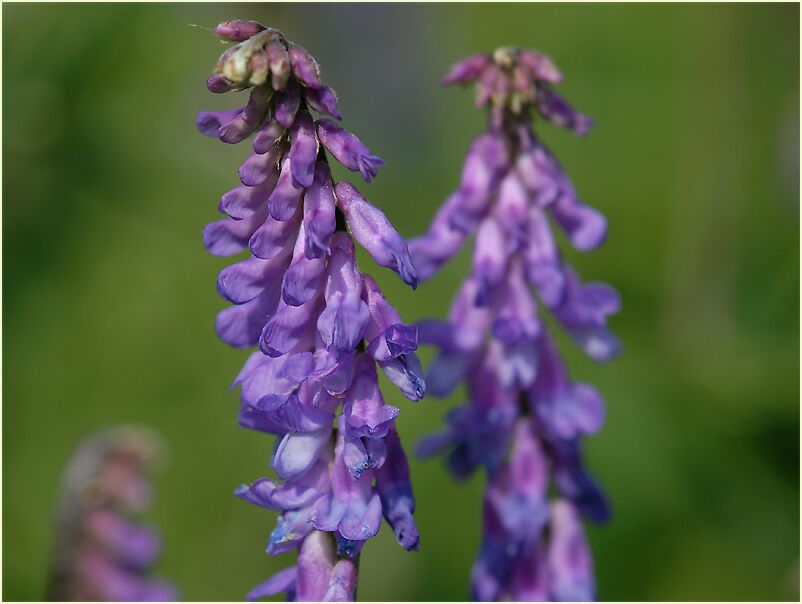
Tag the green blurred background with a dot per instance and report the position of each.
(109, 298)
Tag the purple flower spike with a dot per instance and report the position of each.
(322, 327)
(371, 228)
(103, 552)
(524, 420)
(348, 149)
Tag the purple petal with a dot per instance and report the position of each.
(283, 580)
(405, 371)
(467, 70)
(210, 122)
(286, 196)
(238, 31)
(274, 236)
(319, 212)
(315, 564)
(541, 65)
(348, 149)
(290, 329)
(302, 280)
(557, 110)
(297, 452)
(304, 66)
(585, 226)
(279, 63)
(569, 561)
(241, 202)
(324, 101)
(227, 237)
(243, 281)
(371, 228)
(240, 326)
(287, 105)
(303, 149)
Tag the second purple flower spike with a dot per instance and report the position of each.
(525, 417)
(321, 325)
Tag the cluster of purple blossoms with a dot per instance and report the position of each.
(524, 418)
(102, 553)
(321, 325)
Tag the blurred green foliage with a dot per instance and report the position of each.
(109, 298)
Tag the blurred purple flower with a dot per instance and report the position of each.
(102, 551)
(524, 417)
(322, 325)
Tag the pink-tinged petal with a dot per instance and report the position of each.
(467, 70)
(279, 63)
(304, 66)
(542, 66)
(236, 30)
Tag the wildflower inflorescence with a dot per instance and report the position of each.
(322, 326)
(524, 418)
(102, 551)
